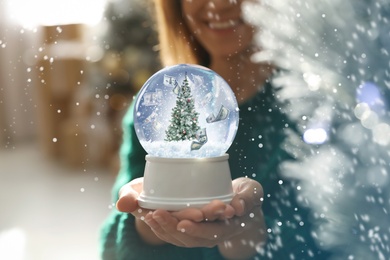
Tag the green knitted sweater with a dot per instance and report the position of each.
(256, 153)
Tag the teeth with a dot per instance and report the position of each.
(223, 25)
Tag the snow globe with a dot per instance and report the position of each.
(186, 118)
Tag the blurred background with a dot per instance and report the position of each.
(68, 71)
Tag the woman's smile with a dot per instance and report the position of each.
(221, 25)
(218, 26)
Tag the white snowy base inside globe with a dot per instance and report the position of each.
(179, 183)
(182, 149)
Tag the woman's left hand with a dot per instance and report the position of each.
(220, 222)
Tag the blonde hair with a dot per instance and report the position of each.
(176, 42)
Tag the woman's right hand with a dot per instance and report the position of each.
(128, 198)
(128, 203)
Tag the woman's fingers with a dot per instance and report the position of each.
(217, 210)
(164, 225)
(210, 231)
(193, 214)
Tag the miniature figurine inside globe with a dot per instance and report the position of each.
(186, 111)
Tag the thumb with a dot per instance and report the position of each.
(248, 194)
(127, 201)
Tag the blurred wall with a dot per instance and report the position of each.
(16, 90)
(68, 85)
(2, 82)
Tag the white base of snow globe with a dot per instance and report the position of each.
(178, 183)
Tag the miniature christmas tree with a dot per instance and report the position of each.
(184, 122)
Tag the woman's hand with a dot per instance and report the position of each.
(128, 203)
(215, 224)
(247, 203)
(221, 228)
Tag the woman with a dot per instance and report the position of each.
(213, 34)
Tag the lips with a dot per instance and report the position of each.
(219, 25)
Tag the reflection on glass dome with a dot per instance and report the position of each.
(186, 111)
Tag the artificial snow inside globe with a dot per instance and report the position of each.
(186, 118)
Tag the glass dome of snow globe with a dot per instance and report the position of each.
(186, 118)
(186, 111)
